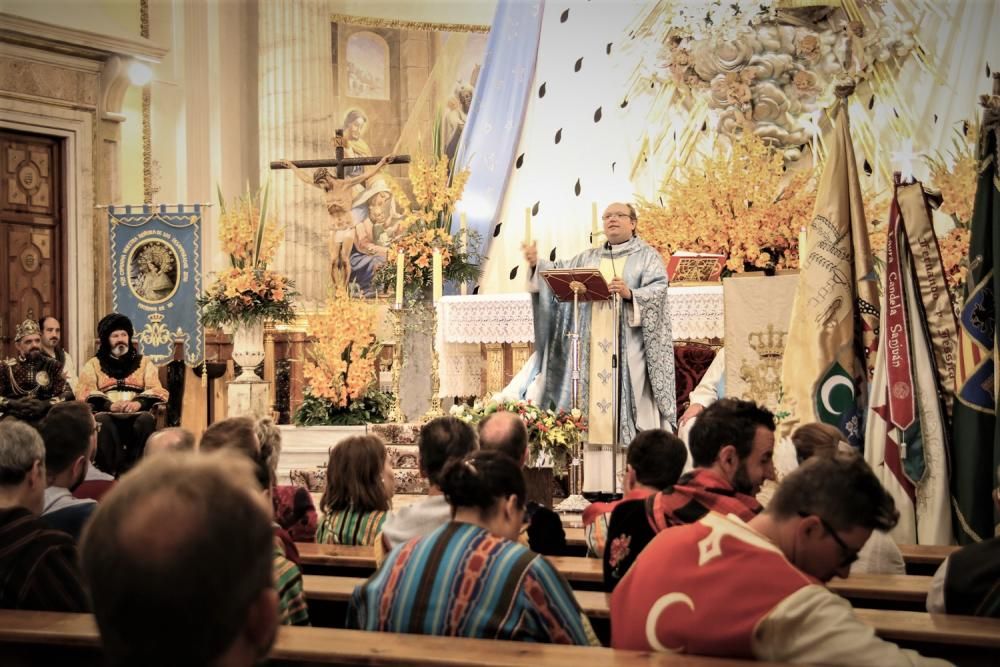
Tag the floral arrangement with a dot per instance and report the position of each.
(248, 292)
(552, 434)
(739, 203)
(427, 221)
(956, 178)
(340, 368)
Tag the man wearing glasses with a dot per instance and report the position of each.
(754, 590)
(635, 272)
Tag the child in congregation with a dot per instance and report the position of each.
(470, 577)
(359, 490)
(293, 506)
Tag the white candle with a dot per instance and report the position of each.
(802, 245)
(437, 276)
(399, 278)
(463, 229)
(463, 226)
(527, 226)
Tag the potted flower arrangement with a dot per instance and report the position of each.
(340, 373)
(552, 434)
(427, 224)
(247, 294)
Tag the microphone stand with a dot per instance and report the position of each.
(616, 375)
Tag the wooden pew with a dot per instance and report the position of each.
(919, 558)
(66, 637)
(593, 603)
(908, 591)
(30, 637)
(966, 640)
(575, 537)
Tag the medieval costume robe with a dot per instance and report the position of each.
(648, 392)
(29, 387)
(106, 379)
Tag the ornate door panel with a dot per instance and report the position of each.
(31, 217)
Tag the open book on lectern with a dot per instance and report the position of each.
(588, 284)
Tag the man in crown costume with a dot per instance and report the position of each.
(121, 386)
(32, 382)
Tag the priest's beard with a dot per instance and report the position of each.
(119, 350)
(741, 480)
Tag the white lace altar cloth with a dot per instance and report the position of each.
(466, 322)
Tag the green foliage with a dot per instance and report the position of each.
(372, 408)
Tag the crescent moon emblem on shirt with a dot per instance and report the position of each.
(654, 615)
(828, 388)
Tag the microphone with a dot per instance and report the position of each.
(610, 249)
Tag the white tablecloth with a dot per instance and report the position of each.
(465, 322)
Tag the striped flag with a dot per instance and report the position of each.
(906, 438)
(832, 335)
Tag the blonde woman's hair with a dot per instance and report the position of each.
(816, 439)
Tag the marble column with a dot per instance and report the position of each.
(295, 88)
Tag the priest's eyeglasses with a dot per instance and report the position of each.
(849, 555)
(612, 214)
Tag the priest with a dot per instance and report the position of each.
(635, 272)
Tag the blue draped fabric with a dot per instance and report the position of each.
(156, 277)
(493, 128)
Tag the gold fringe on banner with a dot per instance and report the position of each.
(374, 22)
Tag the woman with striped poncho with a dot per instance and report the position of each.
(470, 577)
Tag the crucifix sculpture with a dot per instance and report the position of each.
(338, 189)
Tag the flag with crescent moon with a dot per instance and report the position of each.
(907, 435)
(833, 331)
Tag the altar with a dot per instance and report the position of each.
(483, 340)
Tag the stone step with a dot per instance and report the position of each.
(305, 452)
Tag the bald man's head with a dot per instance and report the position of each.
(504, 432)
(174, 439)
(186, 540)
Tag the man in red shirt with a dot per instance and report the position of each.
(654, 461)
(732, 445)
(753, 589)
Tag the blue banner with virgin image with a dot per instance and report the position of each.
(156, 276)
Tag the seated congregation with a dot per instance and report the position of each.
(696, 564)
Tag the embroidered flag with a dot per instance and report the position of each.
(156, 277)
(833, 329)
(976, 452)
(906, 439)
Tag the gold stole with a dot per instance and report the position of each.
(601, 398)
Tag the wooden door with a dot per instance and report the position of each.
(31, 232)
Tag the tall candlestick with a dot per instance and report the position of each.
(463, 226)
(399, 278)
(437, 276)
(527, 226)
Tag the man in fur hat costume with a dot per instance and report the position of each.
(32, 382)
(121, 386)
